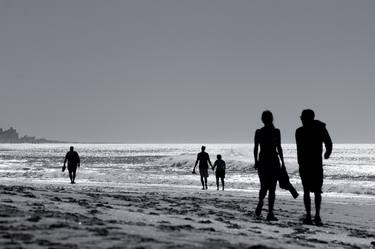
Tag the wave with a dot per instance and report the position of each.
(351, 169)
(187, 162)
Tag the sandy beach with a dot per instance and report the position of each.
(156, 216)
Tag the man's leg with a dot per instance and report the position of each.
(307, 202)
(202, 181)
(74, 175)
(318, 197)
(222, 182)
(306, 183)
(205, 181)
(318, 201)
(71, 176)
(217, 182)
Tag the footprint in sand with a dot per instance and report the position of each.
(19, 237)
(29, 194)
(93, 211)
(234, 226)
(313, 240)
(9, 211)
(56, 199)
(99, 231)
(153, 213)
(209, 229)
(175, 228)
(205, 221)
(83, 203)
(164, 222)
(34, 218)
(7, 200)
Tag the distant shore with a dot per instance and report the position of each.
(35, 142)
(11, 136)
(151, 216)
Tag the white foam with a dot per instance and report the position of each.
(351, 170)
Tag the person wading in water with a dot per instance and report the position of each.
(204, 159)
(73, 160)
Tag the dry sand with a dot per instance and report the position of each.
(152, 216)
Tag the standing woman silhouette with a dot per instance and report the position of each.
(267, 162)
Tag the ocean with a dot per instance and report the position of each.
(350, 170)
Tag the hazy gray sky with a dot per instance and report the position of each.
(185, 71)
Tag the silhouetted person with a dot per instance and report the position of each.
(73, 162)
(220, 171)
(204, 159)
(267, 162)
(310, 138)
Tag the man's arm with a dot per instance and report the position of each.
(209, 161)
(256, 144)
(66, 159)
(327, 143)
(78, 160)
(196, 163)
(298, 144)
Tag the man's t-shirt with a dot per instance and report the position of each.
(203, 158)
(310, 141)
(73, 158)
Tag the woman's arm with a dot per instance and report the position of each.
(279, 148)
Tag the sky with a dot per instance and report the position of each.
(199, 71)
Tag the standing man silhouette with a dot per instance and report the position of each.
(73, 161)
(310, 138)
(204, 160)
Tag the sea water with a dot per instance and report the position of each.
(350, 170)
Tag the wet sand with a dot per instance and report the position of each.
(152, 216)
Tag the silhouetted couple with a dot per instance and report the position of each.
(309, 138)
(73, 160)
(204, 159)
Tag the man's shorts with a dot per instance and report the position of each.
(312, 178)
(72, 167)
(203, 171)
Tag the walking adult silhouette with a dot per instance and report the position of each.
(267, 162)
(310, 139)
(73, 161)
(204, 159)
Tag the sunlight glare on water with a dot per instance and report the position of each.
(351, 169)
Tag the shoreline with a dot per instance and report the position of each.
(144, 216)
(333, 196)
